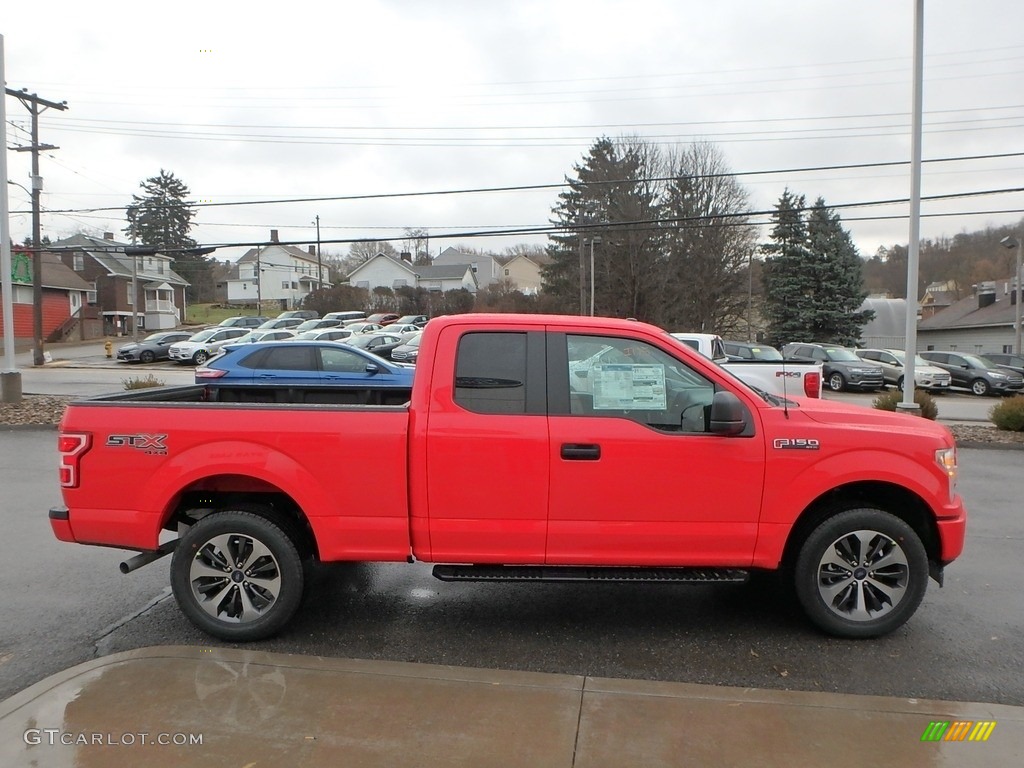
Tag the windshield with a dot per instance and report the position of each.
(841, 355)
(204, 335)
(977, 361)
(414, 341)
(154, 337)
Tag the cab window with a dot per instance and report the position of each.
(625, 378)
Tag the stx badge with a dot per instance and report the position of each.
(797, 443)
(154, 444)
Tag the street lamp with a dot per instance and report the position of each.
(1014, 242)
(592, 241)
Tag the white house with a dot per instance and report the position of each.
(486, 268)
(388, 272)
(279, 273)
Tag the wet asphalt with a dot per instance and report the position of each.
(64, 603)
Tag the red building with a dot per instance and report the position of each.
(65, 296)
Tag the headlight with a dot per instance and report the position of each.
(946, 459)
(995, 375)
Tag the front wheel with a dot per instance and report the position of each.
(836, 382)
(237, 576)
(147, 357)
(980, 387)
(861, 573)
(200, 357)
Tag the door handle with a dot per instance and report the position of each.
(581, 452)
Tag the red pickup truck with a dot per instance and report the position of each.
(530, 452)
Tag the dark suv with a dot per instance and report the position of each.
(1014, 362)
(841, 368)
(976, 373)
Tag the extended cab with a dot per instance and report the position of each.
(533, 448)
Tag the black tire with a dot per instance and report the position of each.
(835, 583)
(836, 382)
(242, 605)
(899, 384)
(146, 356)
(200, 357)
(980, 387)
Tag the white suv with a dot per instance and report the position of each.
(926, 376)
(201, 346)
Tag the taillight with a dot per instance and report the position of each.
(209, 373)
(71, 446)
(812, 384)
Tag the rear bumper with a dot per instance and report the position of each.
(106, 528)
(60, 522)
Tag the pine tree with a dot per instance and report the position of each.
(812, 276)
(789, 275)
(841, 278)
(162, 217)
(612, 199)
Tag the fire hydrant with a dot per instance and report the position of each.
(108, 346)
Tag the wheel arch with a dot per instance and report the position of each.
(241, 493)
(897, 500)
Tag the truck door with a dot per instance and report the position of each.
(486, 456)
(636, 479)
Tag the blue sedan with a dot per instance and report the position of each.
(303, 364)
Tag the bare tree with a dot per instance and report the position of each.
(710, 244)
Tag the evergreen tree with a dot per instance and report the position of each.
(841, 279)
(789, 274)
(812, 276)
(611, 202)
(162, 217)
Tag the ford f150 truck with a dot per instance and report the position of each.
(529, 452)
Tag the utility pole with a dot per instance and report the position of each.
(10, 376)
(32, 103)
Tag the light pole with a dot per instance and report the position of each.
(1015, 242)
(592, 241)
(319, 261)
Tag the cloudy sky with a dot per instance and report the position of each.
(384, 100)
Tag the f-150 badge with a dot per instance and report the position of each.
(154, 444)
(797, 443)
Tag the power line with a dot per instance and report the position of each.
(535, 187)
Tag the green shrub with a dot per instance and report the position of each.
(142, 382)
(887, 401)
(1009, 414)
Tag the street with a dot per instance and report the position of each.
(66, 603)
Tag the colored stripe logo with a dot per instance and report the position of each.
(959, 730)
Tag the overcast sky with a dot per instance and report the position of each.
(274, 101)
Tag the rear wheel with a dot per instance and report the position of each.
(237, 576)
(861, 573)
(980, 387)
(836, 382)
(899, 384)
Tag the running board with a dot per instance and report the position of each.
(585, 573)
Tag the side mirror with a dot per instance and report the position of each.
(728, 416)
(372, 368)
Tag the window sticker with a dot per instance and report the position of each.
(621, 386)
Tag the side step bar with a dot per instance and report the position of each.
(589, 573)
